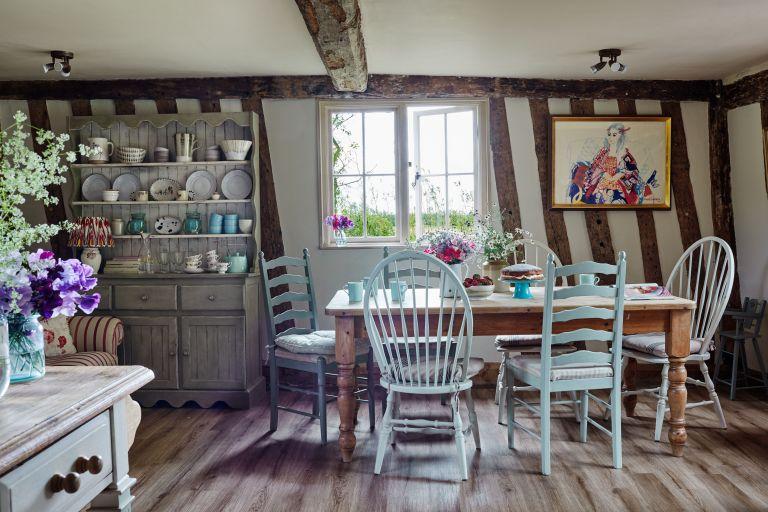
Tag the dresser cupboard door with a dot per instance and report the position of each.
(153, 342)
(213, 352)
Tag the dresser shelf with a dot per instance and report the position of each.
(149, 203)
(162, 164)
(184, 235)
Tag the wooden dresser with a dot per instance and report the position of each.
(63, 440)
(198, 334)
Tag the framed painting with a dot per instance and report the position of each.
(610, 162)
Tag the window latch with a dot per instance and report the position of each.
(416, 179)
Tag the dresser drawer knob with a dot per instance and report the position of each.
(144, 298)
(211, 298)
(69, 484)
(92, 465)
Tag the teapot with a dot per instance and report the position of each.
(238, 263)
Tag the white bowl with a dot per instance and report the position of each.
(245, 225)
(235, 155)
(240, 146)
(110, 195)
(480, 291)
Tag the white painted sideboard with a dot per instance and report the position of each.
(63, 440)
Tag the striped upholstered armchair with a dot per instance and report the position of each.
(96, 339)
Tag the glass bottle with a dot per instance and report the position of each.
(146, 261)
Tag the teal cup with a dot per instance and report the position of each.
(588, 279)
(398, 289)
(355, 291)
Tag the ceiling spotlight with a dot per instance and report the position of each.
(60, 62)
(609, 56)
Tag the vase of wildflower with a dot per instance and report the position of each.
(496, 245)
(340, 224)
(15, 297)
(55, 287)
(5, 363)
(453, 249)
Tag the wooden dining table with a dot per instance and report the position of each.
(502, 314)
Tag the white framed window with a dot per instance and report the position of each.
(402, 168)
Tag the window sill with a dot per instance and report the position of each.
(372, 245)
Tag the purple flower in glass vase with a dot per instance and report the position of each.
(88, 303)
(339, 222)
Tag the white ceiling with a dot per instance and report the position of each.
(663, 39)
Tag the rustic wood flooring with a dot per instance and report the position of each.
(218, 459)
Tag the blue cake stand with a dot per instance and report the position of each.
(522, 288)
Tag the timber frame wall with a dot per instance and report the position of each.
(252, 90)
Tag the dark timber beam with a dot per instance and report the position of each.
(554, 220)
(597, 220)
(682, 188)
(720, 179)
(336, 29)
(503, 168)
(379, 86)
(646, 224)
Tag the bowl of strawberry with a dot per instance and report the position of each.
(478, 286)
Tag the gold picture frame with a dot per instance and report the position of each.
(599, 162)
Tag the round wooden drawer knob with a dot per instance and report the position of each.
(69, 484)
(211, 298)
(145, 298)
(92, 465)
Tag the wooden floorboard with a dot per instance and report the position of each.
(195, 459)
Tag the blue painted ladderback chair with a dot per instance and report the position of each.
(303, 347)
(580, 371)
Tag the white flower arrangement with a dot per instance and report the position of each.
(26, 174)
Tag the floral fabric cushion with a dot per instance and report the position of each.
(58, 338)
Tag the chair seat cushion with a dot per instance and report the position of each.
(653, 343)
(83, 359)
(425, 370)
(518, 340)
(532, 365)
(316, 343)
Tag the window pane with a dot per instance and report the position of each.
(432, 144)
(461, 142)
(433, 202)
(381, 205)
(348, 199)
(347, 142)
(379, 142)
(461, 202)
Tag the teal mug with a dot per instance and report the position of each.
(397, 290)
(588, 279)
(355, 291)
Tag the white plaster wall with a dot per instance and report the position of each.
(750, 203)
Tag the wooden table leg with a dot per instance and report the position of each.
(678, 348)
(345, 359)
(630, 384)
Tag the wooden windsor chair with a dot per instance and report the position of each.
(422, 344)
(703, 274)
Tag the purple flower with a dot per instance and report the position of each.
(338, 221)
(41, 260)
(88, 303)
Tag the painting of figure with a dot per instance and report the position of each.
(610, 162)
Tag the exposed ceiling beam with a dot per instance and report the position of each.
(336, 29)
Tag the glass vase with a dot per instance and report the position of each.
(26, 348)
(5, 364)
(340, 237)
(146, 261)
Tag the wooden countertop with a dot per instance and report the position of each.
(501, 303)
(36, 414)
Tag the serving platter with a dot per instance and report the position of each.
(126, 184)
(164, 189)
(167, 225)
(236, 184)
(93, 186)
(201, 185)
